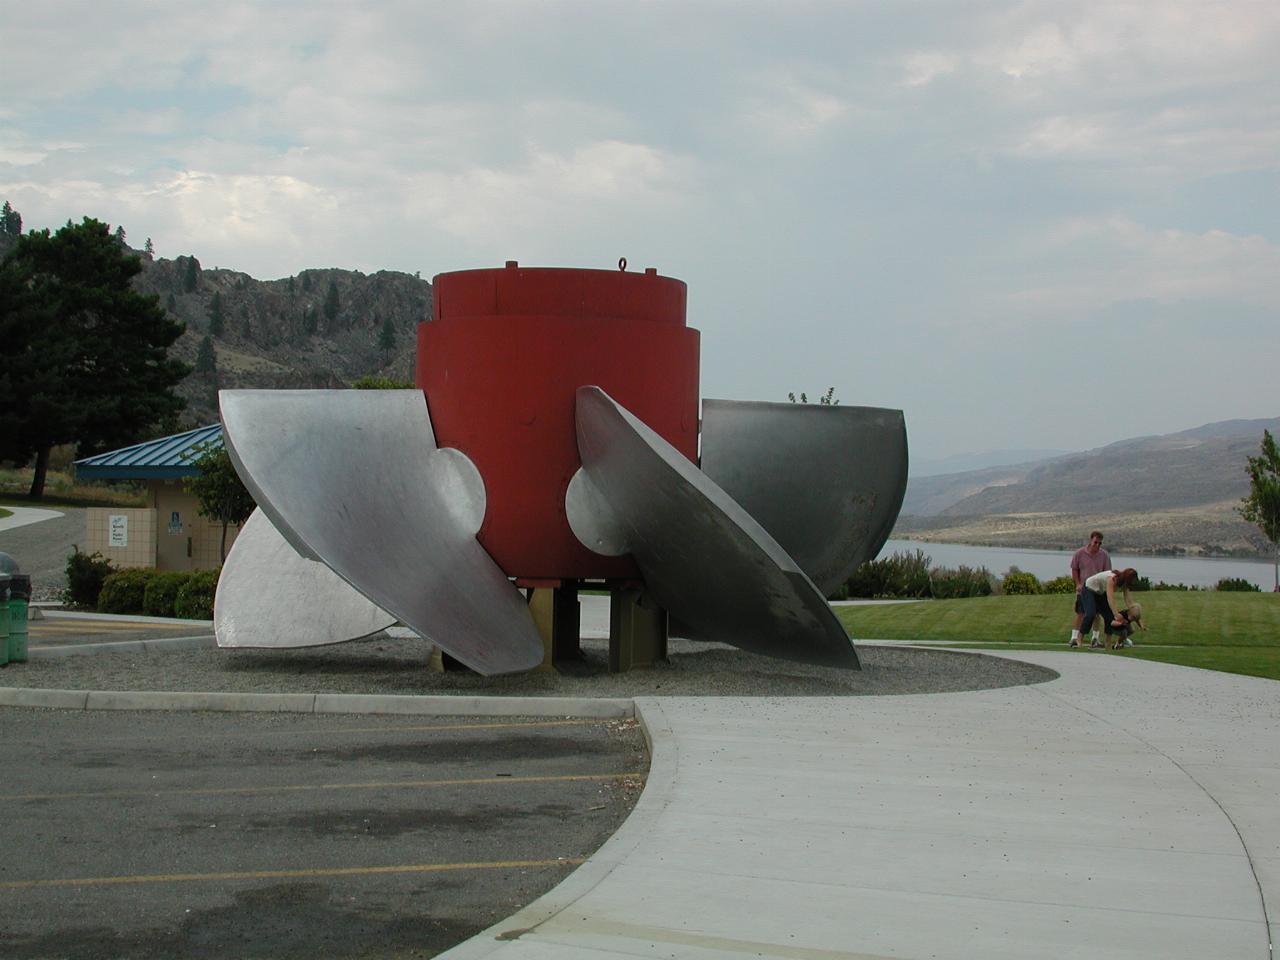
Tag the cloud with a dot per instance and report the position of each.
(787, 111)
(923, 67)
(597, 182)
(1084, 264)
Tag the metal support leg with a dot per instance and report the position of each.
(566, 637)
(637, 631)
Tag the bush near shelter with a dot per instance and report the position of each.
(195, 597)
(162, 592)
(85, 573)
(124, 590)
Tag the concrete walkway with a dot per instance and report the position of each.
(1125, 810)
(24, 516)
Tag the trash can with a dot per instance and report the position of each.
(19, 599)
(4, 618)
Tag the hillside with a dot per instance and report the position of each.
(1167, 494)
(321, 328)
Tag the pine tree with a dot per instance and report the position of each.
(331, 302)
(387, 338)
(10, 221)
(216, 317)
(206, 358)
(83, 356)
(190, 274)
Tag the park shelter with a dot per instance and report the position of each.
(168, 533)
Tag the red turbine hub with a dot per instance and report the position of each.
(500, 361)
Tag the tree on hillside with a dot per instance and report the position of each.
(206, 359)
(10, 221)
(216, 315)
(331, 301)
(83, 355)
(1262, 505)
(387, 338)
(190, 274)
(222, 496)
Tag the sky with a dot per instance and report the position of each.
(1027, 225)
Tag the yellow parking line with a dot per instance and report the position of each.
(425, 727)
(313, 787)
(84, 629)
(290, 874)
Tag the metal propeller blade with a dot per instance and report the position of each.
(355, 477)
(270, 597)
(826, 481)
(703, 557)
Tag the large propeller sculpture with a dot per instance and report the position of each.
(553, 440)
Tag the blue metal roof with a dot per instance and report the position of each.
(164, 459)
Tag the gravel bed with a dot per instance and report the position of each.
(390, 665)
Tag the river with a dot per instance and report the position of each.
(1045, 564)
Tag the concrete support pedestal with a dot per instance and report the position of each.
(637, 630)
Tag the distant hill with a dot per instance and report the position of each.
(968, 462)
(1167, 494)
(1199, 466)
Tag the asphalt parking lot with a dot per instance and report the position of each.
(149, 835)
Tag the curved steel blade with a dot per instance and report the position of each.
(270, 597)
(354, 478)
(826, 482)
(703, 557)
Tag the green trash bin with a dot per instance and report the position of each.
(4, 618)
(19, 599)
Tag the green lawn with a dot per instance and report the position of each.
(5, 513)
(1235, 632)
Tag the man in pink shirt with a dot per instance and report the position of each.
(1085, 562)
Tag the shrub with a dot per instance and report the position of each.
(899, 576)
(1063, 584)
(1237, 584)
(122, 591)
(162, 591)
(1161, 585)
(948, 584)
(195, 597)
(85, 573)
(1019, 584)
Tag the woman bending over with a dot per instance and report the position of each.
(1099, 597)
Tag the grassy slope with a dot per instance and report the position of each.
(1236, 632)
(62, 491)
